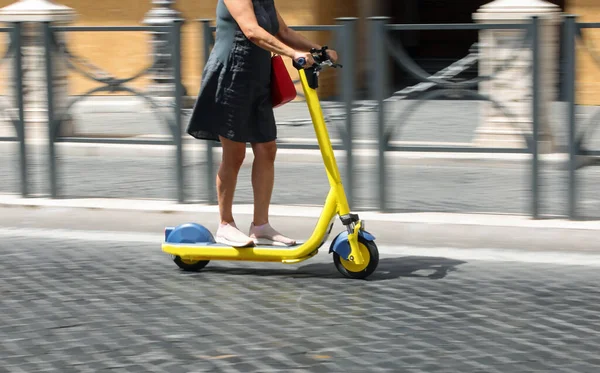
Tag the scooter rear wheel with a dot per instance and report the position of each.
(190, 265)
(370, 254)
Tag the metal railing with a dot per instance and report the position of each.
(380, 52)
(443, 83)
(15, 110)
(113, 84)
(573, 35)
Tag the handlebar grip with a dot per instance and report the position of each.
(300, 63)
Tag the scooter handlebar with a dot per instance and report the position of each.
(301, 62)
(321, 58)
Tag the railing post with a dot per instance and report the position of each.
(378, 89)
(570, 40)
(347, 37)
(207, 41)
(535, 40)
(18, 85)
(178, 92)
(47, 36)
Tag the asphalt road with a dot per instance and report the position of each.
(79, 302)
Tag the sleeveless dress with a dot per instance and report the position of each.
(235, 96)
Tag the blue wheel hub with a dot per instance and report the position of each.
(188, 233)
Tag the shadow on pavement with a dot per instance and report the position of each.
(389, 268)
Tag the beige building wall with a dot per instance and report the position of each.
(588, 78)
(125, 53)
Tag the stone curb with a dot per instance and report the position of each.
(298, 211)
(432, 230)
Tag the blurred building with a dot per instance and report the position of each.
(124, 54)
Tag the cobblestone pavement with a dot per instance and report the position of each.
(83, 306)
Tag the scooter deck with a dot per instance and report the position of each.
(216, 251)
(216, 245)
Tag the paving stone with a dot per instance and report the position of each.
(78, 306)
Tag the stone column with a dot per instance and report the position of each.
(32, 13)
(513, 87)
(162, 14)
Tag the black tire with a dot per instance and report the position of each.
(373, 261)
(189, 266)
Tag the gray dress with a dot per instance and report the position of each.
(235, 97)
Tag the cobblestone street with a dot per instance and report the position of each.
(90, 306)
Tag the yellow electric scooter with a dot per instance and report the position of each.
(355, 253)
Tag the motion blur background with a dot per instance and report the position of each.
(412, 158)
(466, 134)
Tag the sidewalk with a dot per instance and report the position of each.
(393, 231)
(437, 182)
(456, 185)
(416, 182)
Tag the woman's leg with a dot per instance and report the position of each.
(263, 178)
(233, 157)
(231, 162)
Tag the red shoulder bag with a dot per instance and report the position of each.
(282, 86)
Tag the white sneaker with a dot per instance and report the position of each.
(228, 234)
(266, 235)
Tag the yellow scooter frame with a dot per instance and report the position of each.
(355, 253)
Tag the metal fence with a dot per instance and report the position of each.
(573, 35)
(382, 49)
(54, 47)
(15, 109)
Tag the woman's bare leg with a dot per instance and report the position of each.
(263, 179)
(233, 157)
(232, 160)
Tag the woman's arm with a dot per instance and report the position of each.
(292, 38)
(243, 13)
(295, 40)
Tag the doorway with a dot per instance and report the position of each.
(434, 50)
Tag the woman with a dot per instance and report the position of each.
(234, 107)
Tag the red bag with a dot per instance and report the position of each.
(282, 86)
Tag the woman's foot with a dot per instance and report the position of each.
(228, 234)
(266, 235)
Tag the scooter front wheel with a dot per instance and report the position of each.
(369, 252)
(190, 265)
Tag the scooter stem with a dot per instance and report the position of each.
(316, 113)
(333, 173)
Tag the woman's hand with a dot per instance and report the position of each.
(307, 57)
(332, 55)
